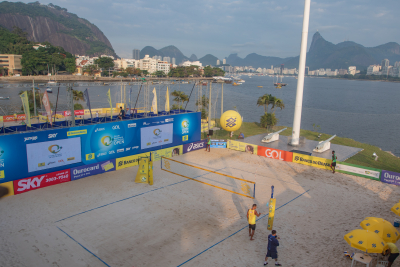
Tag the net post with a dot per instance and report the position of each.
(254, 191)
(161, 163)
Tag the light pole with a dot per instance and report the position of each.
(300, 81)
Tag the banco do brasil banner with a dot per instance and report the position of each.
(312, 161)
(73, 147)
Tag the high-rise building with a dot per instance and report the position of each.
(282, 68)
(385, 63)
(173, 61)
(136, 54)
(224, 61)
(218, 62)
(167, 59)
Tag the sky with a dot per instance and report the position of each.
(223, 27)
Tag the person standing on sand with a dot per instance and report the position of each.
(334, 158)
(208, 143)
(272, 252)
(251, 218)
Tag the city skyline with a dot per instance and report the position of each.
(220, 28)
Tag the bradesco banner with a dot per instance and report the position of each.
(218, 143)
(129, 161)
(35, 182)
(390, 177)
(356, 170)
(194, 146)
(98, 143)
(312, 161)
(275, 153)
(240, 146)
(92, 169)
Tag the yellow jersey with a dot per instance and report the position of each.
(393, 248)
(252, 216)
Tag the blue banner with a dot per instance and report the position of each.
(390, 177)
(218, 143)
(194, 146)
(98, 143)
(92, 169)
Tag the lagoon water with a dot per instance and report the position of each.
(366, 111)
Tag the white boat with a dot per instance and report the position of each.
(241, 81)
(52, 83)
(49, 90)
(4, 97)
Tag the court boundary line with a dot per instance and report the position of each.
(239, 230)
(83, 246)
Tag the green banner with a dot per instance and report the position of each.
(352, 169)
(25, 104)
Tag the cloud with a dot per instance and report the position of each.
(243, 45)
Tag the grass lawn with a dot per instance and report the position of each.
(386, 161)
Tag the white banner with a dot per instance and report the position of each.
(51, 154)
(355, 170)
(156, 135)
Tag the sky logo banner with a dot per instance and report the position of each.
(390, 177)
(194, 146)
(39, 181)
(92, 169)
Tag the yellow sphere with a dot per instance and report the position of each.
(231, 121)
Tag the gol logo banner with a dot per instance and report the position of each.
(312, 161)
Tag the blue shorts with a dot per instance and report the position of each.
(272, 254)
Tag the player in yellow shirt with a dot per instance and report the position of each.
(251, 218)
(394, 253)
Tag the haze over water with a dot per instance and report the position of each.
(366, 111)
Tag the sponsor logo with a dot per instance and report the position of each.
(185, 137)
(42, 164)
(270, 153)
(61, 160)
(1, 163)
(115, 127)
(26, 184)
(107, 140)
(79, 132)
(118, 139)
(231, 122)
(185, 127)
(120, 150)
(148, 144)
(136, 147)
(72, 158)
(128, 148)
(111, 152)
(52, 135)
(54, 149)
(2, 175)
(391, 176)
(32, 138)
(169, 120)
(88, 169)
(157, 122)
(51, 162)
(195, 146)
(99, 130)
(157, 132)
(102, 154)
(130, 125)
(145, 123)
(89, 156)
(166, 140)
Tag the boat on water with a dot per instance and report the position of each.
(259, 86)
(49, 90)
(241, 81)
(235, 84)
(4, 97)
(279, 84)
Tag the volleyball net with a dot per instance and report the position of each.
(208, 177)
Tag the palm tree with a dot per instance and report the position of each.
(180, 97)
(264, 101)
(78, 95)
(277, 103)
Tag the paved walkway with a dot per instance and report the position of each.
(342, 152)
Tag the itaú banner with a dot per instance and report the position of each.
(275, 153)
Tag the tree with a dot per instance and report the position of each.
(130, 70)
(104, 62)
(90, 69)
(159, 73)
(78, 95)
(70, 65)
(179, 97)
(210, 72)
(277, 103)
(264, 101)
(268, 120)
(204, 106)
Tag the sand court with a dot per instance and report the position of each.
(108, 220)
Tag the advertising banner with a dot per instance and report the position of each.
(142, 175)
(312, 161)
(129, 161)
(275, 153)
(39, 181)
(167, 152)
(156, 135)
(98, 143)
(218, 143)
(79, 112)
(92, 169)
(46, 103)
(194, 146)
(356, 170)
(390, 177)
(240, 146)
(10, 187)
(25, 105)
(53, 154)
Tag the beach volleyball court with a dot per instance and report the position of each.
(108, 220)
